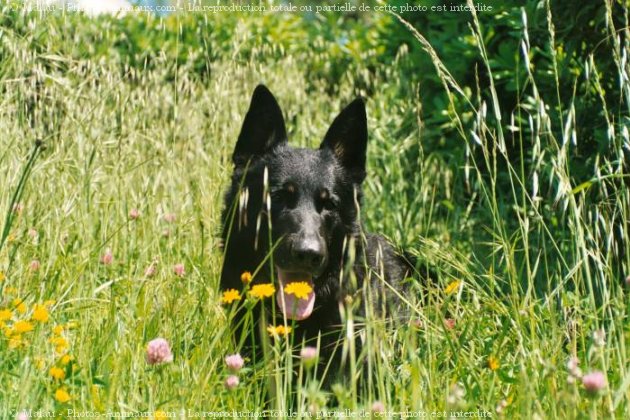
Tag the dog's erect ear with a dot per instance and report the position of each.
(347, 139)
(262, 129)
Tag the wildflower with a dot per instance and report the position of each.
(57, 373)
(2, 276)
(179, 270)
(449, 323)
(22, 415)
(456, 394)
(169, 217)
(34, 265)
(594, 382)
(378, 407)
(230, 296)
(22, 326)
(134, 214)
(107, 258)
(231, 382)
(40, 363)
(308, 354)
(160, 415)
(60, 343)
(574, 369)
(5, 315)
(279, 330)
(246, 277)
(33, 234)
(40, 313)
(262, 290)
(234, 362)
(16, 341)
(62, 395)
(501, 406)
(19, 305)
(452, 287)
(158, 351)
(7, 330)
(57, 329)
(416, 323)
(65, 359)
(599, 337)
(151, 269)
(493, 363)
(300, 289)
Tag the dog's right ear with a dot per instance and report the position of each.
(262, 129)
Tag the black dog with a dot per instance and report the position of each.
(310, 199)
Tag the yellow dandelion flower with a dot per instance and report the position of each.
(96, 397)
(5, 314)
(246, 277)
(262, 290)
(452, 287)
(493, 363)
(7, 331)
(40, 363)
(22, 326)
(57, 373)
(230, 296)
(279, 330)
(40, 314)
(62, 395)
(160, 415)
(65, 359)
(2, 276)
(57, 329)
(300, 289)
(16, 341)
(59, 342)
(19, 305)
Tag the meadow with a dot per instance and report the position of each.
(498, 156)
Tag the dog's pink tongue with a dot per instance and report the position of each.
(290, 305)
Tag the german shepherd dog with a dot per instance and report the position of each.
(292, 215)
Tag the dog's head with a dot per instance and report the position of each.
(312, 195)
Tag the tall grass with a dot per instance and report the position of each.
(519, 289)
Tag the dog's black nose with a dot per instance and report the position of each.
(309, 254)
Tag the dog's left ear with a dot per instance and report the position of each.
(347, 139)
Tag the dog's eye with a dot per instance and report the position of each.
(326, 200)
(285, 195)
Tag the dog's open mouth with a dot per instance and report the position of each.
(296, 294)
